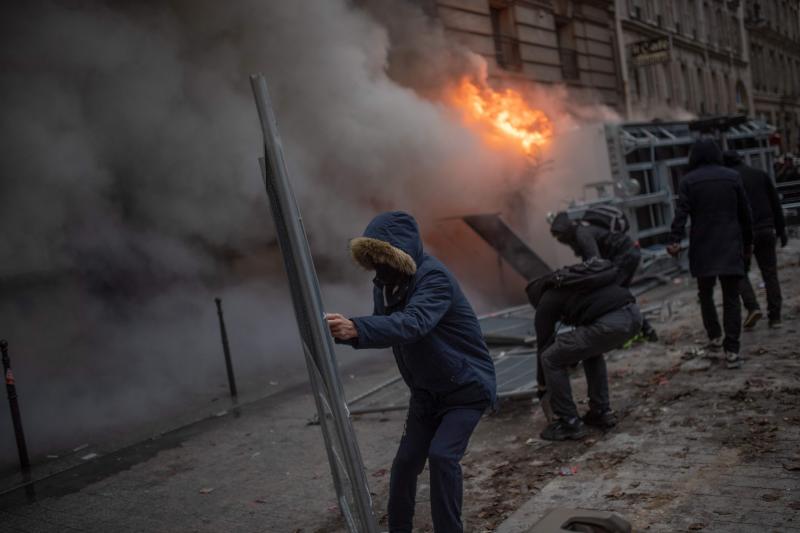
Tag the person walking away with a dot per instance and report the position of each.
(720, 239)
(769, 226)
(421, 313)
(604, 315)
(589, 239)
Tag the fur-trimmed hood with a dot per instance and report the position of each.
(392, 239)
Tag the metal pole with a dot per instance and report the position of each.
(13, 403)
(345, 458)
(226, 349)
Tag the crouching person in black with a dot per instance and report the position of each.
(604, 315)
(588, 239)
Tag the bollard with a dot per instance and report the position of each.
(13, 402)
(226, 350)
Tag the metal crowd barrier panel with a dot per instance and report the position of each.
(344, 455)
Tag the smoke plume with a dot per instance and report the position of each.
(131, 197)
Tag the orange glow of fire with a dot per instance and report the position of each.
(503, 115)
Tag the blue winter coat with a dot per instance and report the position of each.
(432, 330)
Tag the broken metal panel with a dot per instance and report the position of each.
(347, 467)
(512, 326)
(790, 194)
(508, 244)
(514, 362)
(648, 161)
(515, 370)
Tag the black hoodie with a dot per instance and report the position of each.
(714, 198)
(761, 193)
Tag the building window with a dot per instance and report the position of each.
(635, 9)
(690, 18)
(775, 72)
(504, 32)
(725, 93)
(675, 14)
(687, 88)
(567, 49)
(714, 89)
(701, 93)
(735, 35)
(796, 77)
(741, 97)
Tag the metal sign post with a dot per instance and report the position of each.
(344, 456)
(13, 403)
(226, 351)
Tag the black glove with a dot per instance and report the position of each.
(784, 239)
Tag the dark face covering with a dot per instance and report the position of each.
(387, 275)
(393, 282)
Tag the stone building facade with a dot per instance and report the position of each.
(646, 58)
(543, 41)
(705, 68)
(773, 29)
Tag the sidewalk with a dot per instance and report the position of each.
(698, 448)
(263, 471)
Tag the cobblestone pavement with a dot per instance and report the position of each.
(698, 448)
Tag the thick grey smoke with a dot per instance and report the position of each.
(130, 192)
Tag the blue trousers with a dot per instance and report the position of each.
(441, 438)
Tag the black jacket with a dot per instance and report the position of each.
(588, 240)
(763, 197)
(594, 241)
(714, 198)
(575, 308)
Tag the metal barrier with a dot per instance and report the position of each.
(344, 455)
(648, 160)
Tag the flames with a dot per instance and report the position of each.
(503, 117)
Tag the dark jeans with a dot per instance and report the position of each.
(588, 344)
(764, 243)
(626, 268)
(441, 438)
(731, 309)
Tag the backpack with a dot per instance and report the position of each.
(593, 274)
(607, 216)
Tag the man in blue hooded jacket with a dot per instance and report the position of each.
(421, 313)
